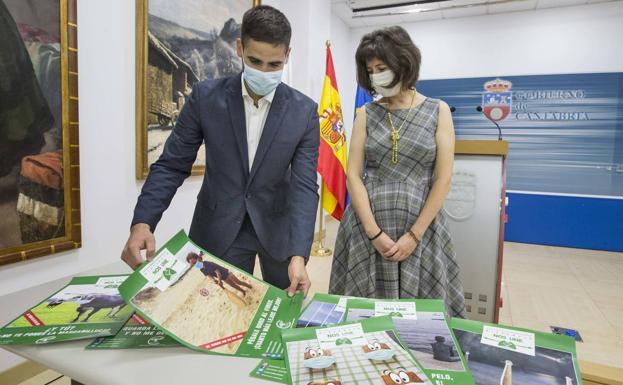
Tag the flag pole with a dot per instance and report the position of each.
(319, 250)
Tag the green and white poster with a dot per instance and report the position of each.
(136, 333)
(503, 355)
(363, 352)
(422, 326)
(87, 307)
(209, 305)
(271, 370)
(322, 310)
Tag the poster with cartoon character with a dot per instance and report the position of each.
(321, 310)
(364, 352)
(209, 305)
(421, 324)
(87, 307)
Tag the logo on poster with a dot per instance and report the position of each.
(45, 340)
(283, 324)
(497, 99)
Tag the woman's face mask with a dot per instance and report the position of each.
(381, 81)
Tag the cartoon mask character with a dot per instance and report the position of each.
(400, 376)
(313, 353)
(318, 358)
(375, 346)
(378, 351)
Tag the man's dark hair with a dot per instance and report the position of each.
(266, 24)
(394, 47)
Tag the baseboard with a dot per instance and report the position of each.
(596, 374)
(21, 372)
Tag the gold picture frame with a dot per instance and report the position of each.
(70, 147)
(142, 119)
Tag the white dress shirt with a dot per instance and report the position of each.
(256, 118)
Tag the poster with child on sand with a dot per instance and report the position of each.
(209, 305)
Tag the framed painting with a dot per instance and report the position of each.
(179, 43)
(39, 151)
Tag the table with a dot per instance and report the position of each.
(131, 366)
(160, 365)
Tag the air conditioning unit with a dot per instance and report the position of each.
(377, 5)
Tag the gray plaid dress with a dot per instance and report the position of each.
(397, 194)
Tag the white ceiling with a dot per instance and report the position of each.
(437, 11)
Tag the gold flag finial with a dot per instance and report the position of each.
(328, 43)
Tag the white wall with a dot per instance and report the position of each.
(562, 40)
(343, 53)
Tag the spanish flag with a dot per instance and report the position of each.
(332, 157)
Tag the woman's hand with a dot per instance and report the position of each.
(383, 244)
(404, 247)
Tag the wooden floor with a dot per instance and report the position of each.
(542, 286)
(48, 377)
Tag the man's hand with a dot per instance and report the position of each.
(140, 238)
(299, 281)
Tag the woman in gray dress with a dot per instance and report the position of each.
(393, 241)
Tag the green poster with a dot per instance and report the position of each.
(136, 333)
(503, 355)
(87, 307)
(422, 326)
(209, 305)
(363, 352)
(271, 370)
(322, 310)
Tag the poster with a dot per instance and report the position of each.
(322, 310)
(502, 355)
(87, 307)
(362, 352)
(209, 305)
(136, 333)
(421, 324)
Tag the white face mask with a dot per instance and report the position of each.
(260, 82)
(381, 80)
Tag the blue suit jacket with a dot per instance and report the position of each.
(279, 193)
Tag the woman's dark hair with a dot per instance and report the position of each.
(394, 47)
(266, 24)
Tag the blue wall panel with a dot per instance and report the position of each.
(565, 135)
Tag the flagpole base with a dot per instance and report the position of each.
(318, 250)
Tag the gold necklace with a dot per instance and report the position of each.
(395, 132)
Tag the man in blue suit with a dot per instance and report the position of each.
(259, 192)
